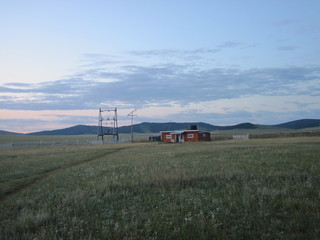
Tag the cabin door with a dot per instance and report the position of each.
(179, 138)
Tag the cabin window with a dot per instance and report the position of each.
(190, 135)
(168, 136)
(204, 134)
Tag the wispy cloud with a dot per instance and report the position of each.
(138, 85)
(174, 52)
(287, 21)
(229, 44)
(182, 54)
(287, 48)
(165, 90)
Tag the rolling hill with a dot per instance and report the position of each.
(149, 127)
(75, 130)
(144, 127)
(8, 133)
(299, 124)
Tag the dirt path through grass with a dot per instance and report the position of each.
(24, 182)
(255, 189)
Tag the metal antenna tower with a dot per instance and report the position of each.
(131, 114)
(114, 120)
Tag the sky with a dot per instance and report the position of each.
(220, 62)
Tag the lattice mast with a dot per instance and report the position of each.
(114, 123)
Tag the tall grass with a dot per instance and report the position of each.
(16, 139)
(256, 189)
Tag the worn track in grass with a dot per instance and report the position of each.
(45, 174)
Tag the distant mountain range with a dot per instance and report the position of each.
(148, 127)
(8, 133)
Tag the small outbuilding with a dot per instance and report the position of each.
(184, 136)
(154, 138)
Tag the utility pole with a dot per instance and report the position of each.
(100, 124)
(131, 114)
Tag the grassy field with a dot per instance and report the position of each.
(140, 137)
(255, 189)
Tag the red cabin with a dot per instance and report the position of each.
(184, 136)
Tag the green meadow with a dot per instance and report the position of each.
(249, 189)
(60, 139)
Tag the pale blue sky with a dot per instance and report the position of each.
(221, 62)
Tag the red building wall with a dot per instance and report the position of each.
(188, 136)
(165, 138)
